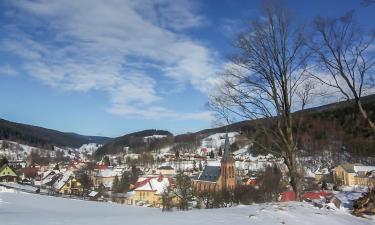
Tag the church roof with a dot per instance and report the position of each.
(210, 173)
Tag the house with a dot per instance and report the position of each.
(322, 175)
(105, 177)
(7, 174)
(149, 191)
(166, 170)
(28, 173)
(67, 184)
(218, 178)
(354, 174)
(288, 196)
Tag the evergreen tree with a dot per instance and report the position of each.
(220, 153)
(166, 199)
(123, 184)
(212, 154)
(134, 175)
(183, 191)
(106, 161)
(3, 161)
(115, 185)
(84, 179)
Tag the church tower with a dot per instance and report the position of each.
(228, 168)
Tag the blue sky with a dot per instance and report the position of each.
(113, 67)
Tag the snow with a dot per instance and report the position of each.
(109, 173)
(154, 184)
(217, 140)
(65, 177)
(93, 193)
(19, 186)
(20, 208)
(348, 194)
(364, 168)
(89, 148)
(155, 136)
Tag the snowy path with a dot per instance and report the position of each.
(22, 208)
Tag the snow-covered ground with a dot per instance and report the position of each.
(19, 208)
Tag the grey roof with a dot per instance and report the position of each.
(166, 168)
(210, 173)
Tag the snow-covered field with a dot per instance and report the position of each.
(21, 208)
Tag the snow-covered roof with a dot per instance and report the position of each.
(363, 168)
(108, 173)
(93, 193)
(322, 171)
(64, 178)
(157, 184)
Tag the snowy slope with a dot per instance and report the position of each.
(16, 151)
(217, 140)
(19, 209)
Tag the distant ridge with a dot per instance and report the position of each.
(43, 137)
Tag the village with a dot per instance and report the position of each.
(213, 177)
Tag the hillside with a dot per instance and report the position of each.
(42, 137)
(138, 142)
(335, 127)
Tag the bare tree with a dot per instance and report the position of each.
(267, 79)
(346, 53)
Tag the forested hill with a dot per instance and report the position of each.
(42, 137)
(138, 142)
(334, 127)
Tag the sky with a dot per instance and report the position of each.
(112, 67)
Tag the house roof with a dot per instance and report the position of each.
(29, 172)
(350, 168)
(5, 166)
(108, 173)
(366, 169)
(288, 196)
(62, 181)
(157, 184)
(210, 173)
(166, 168)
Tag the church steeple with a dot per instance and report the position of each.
(228, 168)
(227, 153)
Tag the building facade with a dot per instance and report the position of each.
(7, 174)
(354, 174)
(218, 178)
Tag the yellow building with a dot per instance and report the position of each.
(7, 174)
(354, 174)
(149, 191)
(68, 185)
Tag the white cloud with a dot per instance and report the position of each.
(7, 70)
(119, 47)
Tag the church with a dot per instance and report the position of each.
(218, 178)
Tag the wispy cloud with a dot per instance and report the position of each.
(118, 47)
(7, 70)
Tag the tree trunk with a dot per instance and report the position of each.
(365, 116)
(295, 182)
